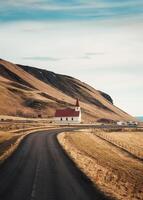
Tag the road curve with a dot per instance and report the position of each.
(41, 170)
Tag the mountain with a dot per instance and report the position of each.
(29, 91)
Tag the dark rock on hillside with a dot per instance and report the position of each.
(106, 96)
(66, 84)
(12, 76)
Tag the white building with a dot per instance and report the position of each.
(122, 123)
(69, 115)
(132, 123)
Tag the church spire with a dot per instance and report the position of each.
(77, 102)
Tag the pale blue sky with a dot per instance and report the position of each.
(98, 41)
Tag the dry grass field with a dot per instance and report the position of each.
(130, 141)
(113, 169)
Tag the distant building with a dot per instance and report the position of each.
(122, 123)
(129, 123)
(69, 115)
(132, 123)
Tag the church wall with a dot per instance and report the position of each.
(67, 119)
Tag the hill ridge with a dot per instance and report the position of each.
(44, 91)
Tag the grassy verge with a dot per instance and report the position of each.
(111, 169)
(9, 141)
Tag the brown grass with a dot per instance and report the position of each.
(5, 136)
(13, 93)
(115, 172)
(130, 141)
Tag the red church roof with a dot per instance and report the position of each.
(68, 112)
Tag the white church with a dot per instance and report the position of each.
(69, 115)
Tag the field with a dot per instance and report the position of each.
(112, 160)
(132, 142)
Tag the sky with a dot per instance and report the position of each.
(99, 42)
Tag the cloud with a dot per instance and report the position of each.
(42, 58)
(91, 55)
(106, 54)
(94, 53)
(15, 10)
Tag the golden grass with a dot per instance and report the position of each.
(115, 172)
(4, 136)
(130, 141)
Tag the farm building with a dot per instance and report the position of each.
(69, 115)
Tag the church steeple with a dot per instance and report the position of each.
(77, 102)
(77, 107)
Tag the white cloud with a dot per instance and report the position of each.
(115, 51)
(42, 58)
(58, 5)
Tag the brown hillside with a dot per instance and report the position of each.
(28, 91)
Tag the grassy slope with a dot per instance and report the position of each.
(7, 139)
(114, 171)
(13, 99)
(55, 98)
